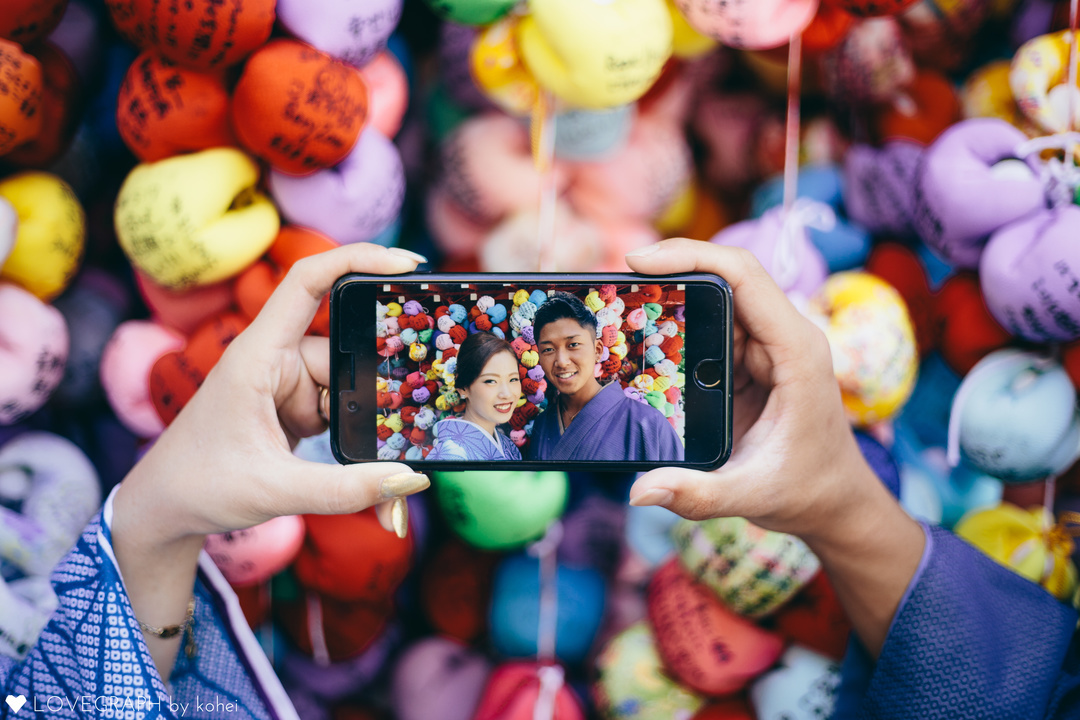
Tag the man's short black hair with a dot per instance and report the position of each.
(561, 305)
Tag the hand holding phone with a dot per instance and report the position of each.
(531, 370)
(795, 466)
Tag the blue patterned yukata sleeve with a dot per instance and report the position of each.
(91, 660)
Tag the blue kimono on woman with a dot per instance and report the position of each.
(91, 661)
(610, 427)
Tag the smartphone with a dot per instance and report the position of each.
(561, 371)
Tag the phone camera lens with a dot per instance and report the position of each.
(352, 406)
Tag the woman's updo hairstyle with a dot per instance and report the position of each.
(474, 353)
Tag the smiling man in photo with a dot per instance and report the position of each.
(585, 420)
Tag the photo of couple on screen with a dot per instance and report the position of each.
(537, 376)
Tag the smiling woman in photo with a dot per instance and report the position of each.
(487, 380)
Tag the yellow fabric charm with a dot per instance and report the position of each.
(596, 53)
(496, 66)
(395, 423)
(872, 341)
(1039, 80)
(195, 219)
(679, 213)
(593, 301)
(687, 42)
(51, 233)
(986, 93)
(1027, 542)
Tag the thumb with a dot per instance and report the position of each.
(325, 489)
(692, 494)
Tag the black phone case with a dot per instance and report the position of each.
(343, 371)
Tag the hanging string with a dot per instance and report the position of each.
(267, 630)
(791, 138)
(551, 674)
(798, 214)
(1049, 490)
(316, 632)
(542, 135)
(1073, 4)
(544, 550)
(543, 129)
(1070, 124)
(552, 678)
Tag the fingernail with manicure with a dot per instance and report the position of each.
(399, 517)
(402, 484)
(408, 254)
(653, 496)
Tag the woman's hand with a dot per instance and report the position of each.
(226, 462)
(795, 466)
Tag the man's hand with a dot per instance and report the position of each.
(795, 466)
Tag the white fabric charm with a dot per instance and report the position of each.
(804, 214)
(1017, 358)
(1060, 179)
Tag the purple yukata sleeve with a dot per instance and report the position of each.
(611, 427)
(972, 639)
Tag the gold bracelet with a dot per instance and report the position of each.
(171, 631)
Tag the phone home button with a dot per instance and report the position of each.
(709, 372)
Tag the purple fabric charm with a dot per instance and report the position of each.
(352, 202)
(878, 186)
(962, 195)
(1029, 275)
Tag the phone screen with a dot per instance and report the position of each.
(568, 372)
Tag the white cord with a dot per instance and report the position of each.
(804, 213)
